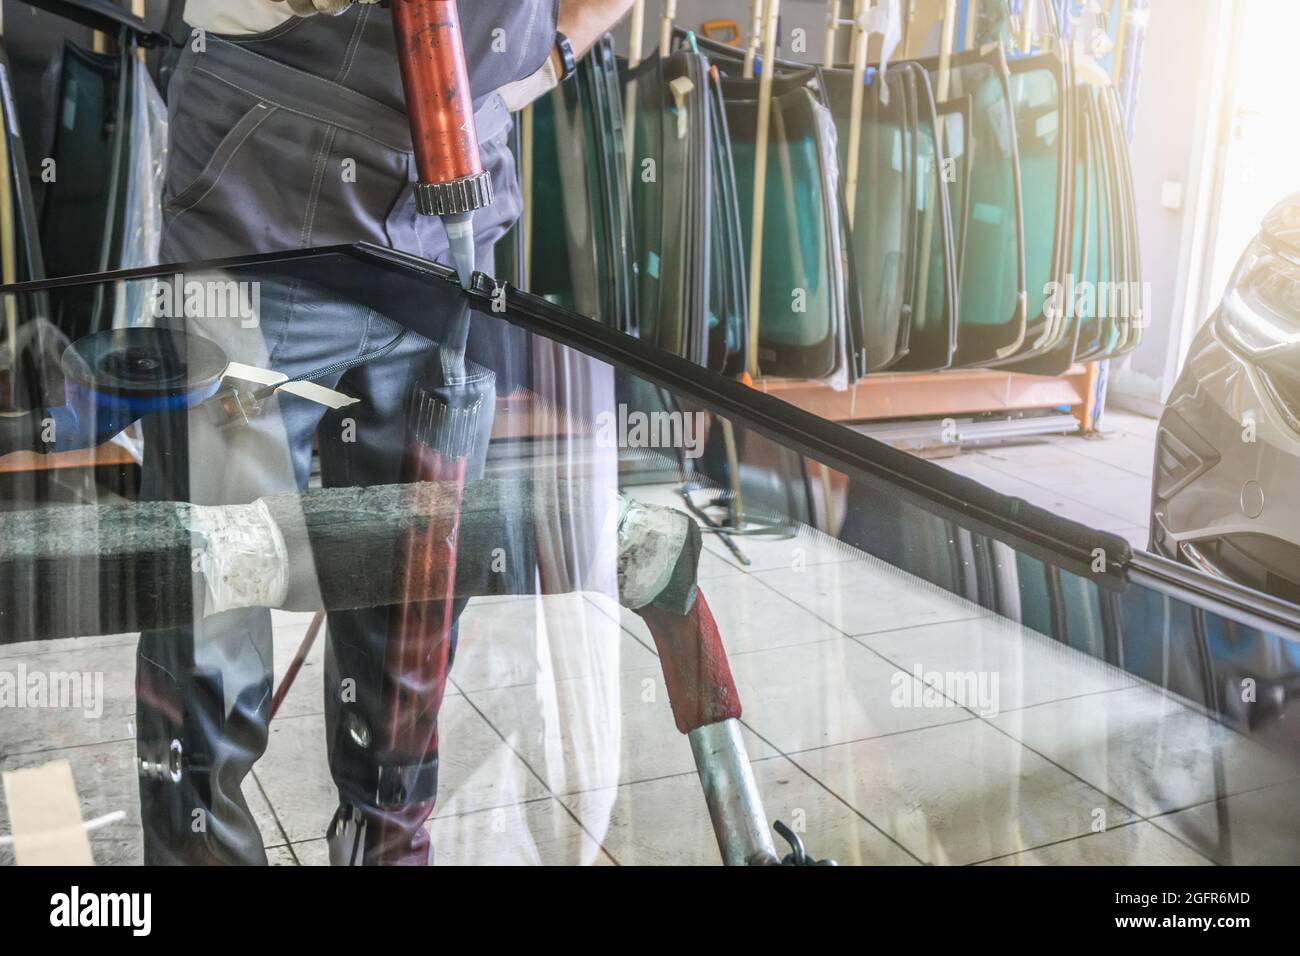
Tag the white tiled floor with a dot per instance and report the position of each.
(1102, 480)
(558, 743)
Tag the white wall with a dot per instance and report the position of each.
(1176, 127)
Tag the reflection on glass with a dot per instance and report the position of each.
(539, 573)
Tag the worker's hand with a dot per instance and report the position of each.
(309, 8)
(520, 93)
(585, 21)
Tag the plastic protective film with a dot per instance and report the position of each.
(142, 222)
(573, 600)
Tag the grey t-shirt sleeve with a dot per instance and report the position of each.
(506, 40)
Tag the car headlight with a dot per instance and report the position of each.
(1260, 314)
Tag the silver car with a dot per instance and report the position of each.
(1226, 488)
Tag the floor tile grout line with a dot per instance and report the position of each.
(870, 822)
(841, 630)
(956, 709)
(275, 814)
(45, 750)
(1178, 838)
(788, 756)
(1290, 781)
(618, 622)
(821, 783)
(1186, 703)
(1070, 498)
(1062, 700)
(1101, 790)
(26, 655)
(523, 760)
(549, 798)
(730, 559)
(779, 755)
(1043, 756)
(1084, 836)
(1151, 818)
(1051, 843)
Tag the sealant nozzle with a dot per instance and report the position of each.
(460, 242)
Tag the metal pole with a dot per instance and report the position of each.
(1119, 9)
(137, 8)
(636, 34)
(731, 794)
(1027, 26)
(755, 36)
(706, 708)
(941, 96)
(666, 27)
(526, 191)
(771, 15)
(8, 251)
(861, 39)
(635, 45)
(832, 28)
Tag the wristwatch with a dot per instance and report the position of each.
(568, 62)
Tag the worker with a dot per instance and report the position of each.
(288, 130)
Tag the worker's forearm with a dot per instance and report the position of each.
(585, 21)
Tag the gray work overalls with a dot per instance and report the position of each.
(289, 139)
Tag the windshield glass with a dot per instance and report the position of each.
(573, 589)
